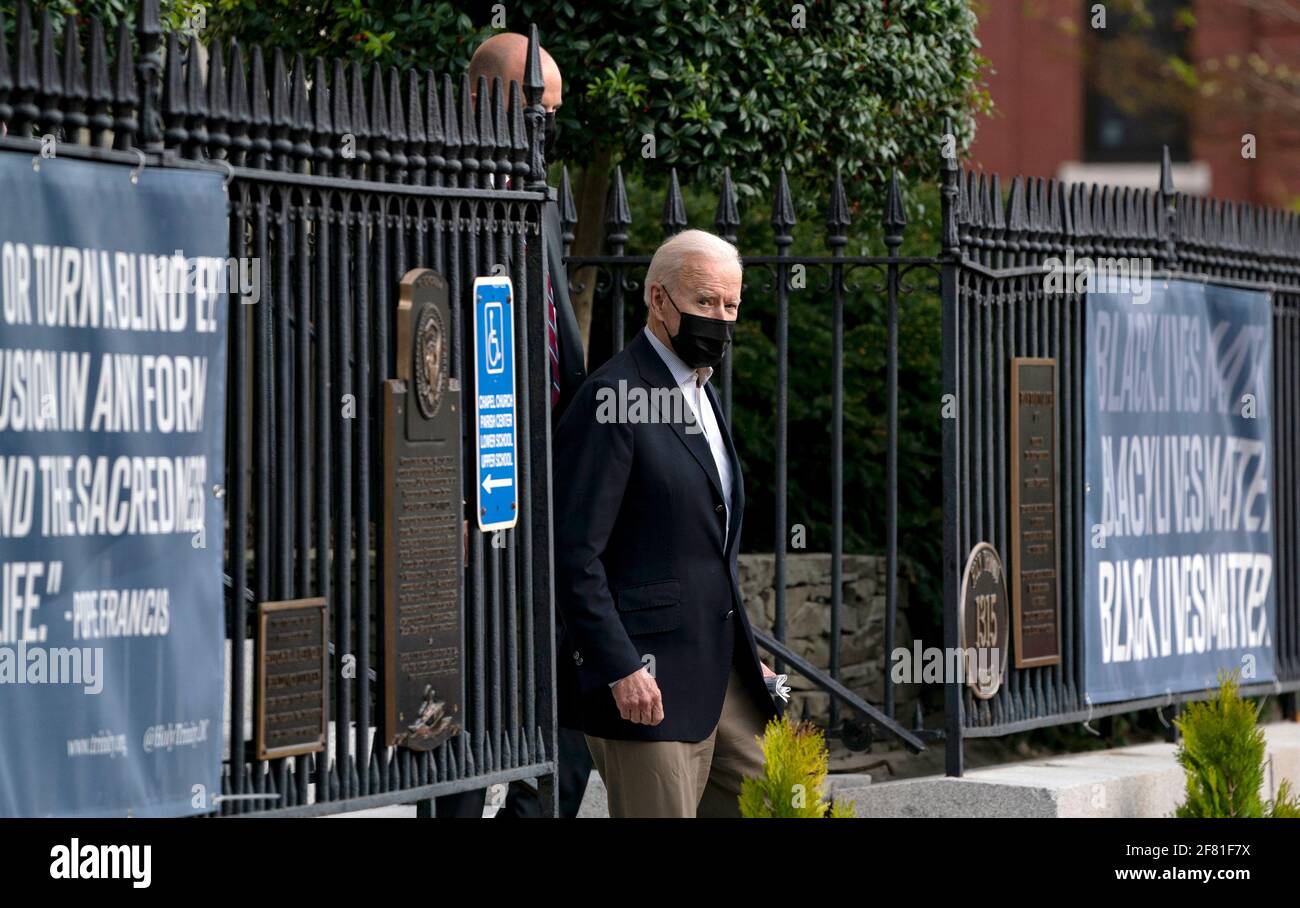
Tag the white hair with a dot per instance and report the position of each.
(685, 248)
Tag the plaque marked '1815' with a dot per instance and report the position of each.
(1035, 549)
(982, 621)
(422, 540)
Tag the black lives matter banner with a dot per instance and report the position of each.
(1178, 544)
(112, 422)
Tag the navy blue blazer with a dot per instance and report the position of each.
(641, 567)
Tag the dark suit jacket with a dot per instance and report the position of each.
(640, 562)
(573, 372)
(573, 369)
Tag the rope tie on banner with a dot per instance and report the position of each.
(230, 174)
(1087, 698)
(1160, 710)
(139, 168)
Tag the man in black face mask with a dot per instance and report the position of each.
(648, 509)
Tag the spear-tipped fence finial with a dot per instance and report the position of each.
(782, 213)
(674, 217)
(727, 216)
(895, 214)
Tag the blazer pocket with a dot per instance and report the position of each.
(651, 608)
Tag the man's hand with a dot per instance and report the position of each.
(638, 698)
(767, 672)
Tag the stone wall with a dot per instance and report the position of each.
(808, 625)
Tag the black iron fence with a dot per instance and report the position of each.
(340, 180)
(343, 178)
(997, 306)
(989, 277)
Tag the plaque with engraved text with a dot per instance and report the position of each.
(982, 621)
(1035, 533)
(422, 541)
(292, 672)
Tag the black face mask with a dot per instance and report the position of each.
(550, 135)
(700, 342)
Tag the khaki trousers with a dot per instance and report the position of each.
(682, 778)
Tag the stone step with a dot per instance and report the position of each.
(1141, 781)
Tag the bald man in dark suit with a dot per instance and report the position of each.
(503, 56)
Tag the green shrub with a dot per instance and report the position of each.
(1222, 752)
(791, 786)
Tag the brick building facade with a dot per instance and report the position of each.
(1053, 117)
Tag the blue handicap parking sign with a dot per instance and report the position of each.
(494, 403)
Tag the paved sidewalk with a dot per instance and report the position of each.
(595, 804)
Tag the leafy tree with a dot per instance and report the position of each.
(429, 34)
(1223, 754)
(754, 86)
(860, 84)
(174, 13)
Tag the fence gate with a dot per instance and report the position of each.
(340, 180)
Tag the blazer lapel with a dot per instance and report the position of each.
(655, 371)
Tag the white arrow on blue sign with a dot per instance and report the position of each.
(494, 403)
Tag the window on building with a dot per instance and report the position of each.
(1134, 105)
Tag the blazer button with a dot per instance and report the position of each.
(730, 612)
(577, 658)
(719, 509)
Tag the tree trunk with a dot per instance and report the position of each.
(589, 235)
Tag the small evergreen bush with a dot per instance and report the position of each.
(1222, 751)
(795, 760)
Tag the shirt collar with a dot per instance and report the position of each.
(681, 372)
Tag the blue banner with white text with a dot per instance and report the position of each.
(1179, 579)
(112, 430)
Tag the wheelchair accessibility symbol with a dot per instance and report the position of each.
(496, 353)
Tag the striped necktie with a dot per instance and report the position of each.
(552, 340)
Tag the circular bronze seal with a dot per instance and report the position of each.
(430, 361)
(983, 621)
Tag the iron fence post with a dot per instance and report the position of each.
(837, 224)
(951, 566)
(536, 446)
(895, 222)
(148, 32)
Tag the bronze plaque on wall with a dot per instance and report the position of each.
(422, 541)
(292, 672)
(983, 621)
(1035, 532)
